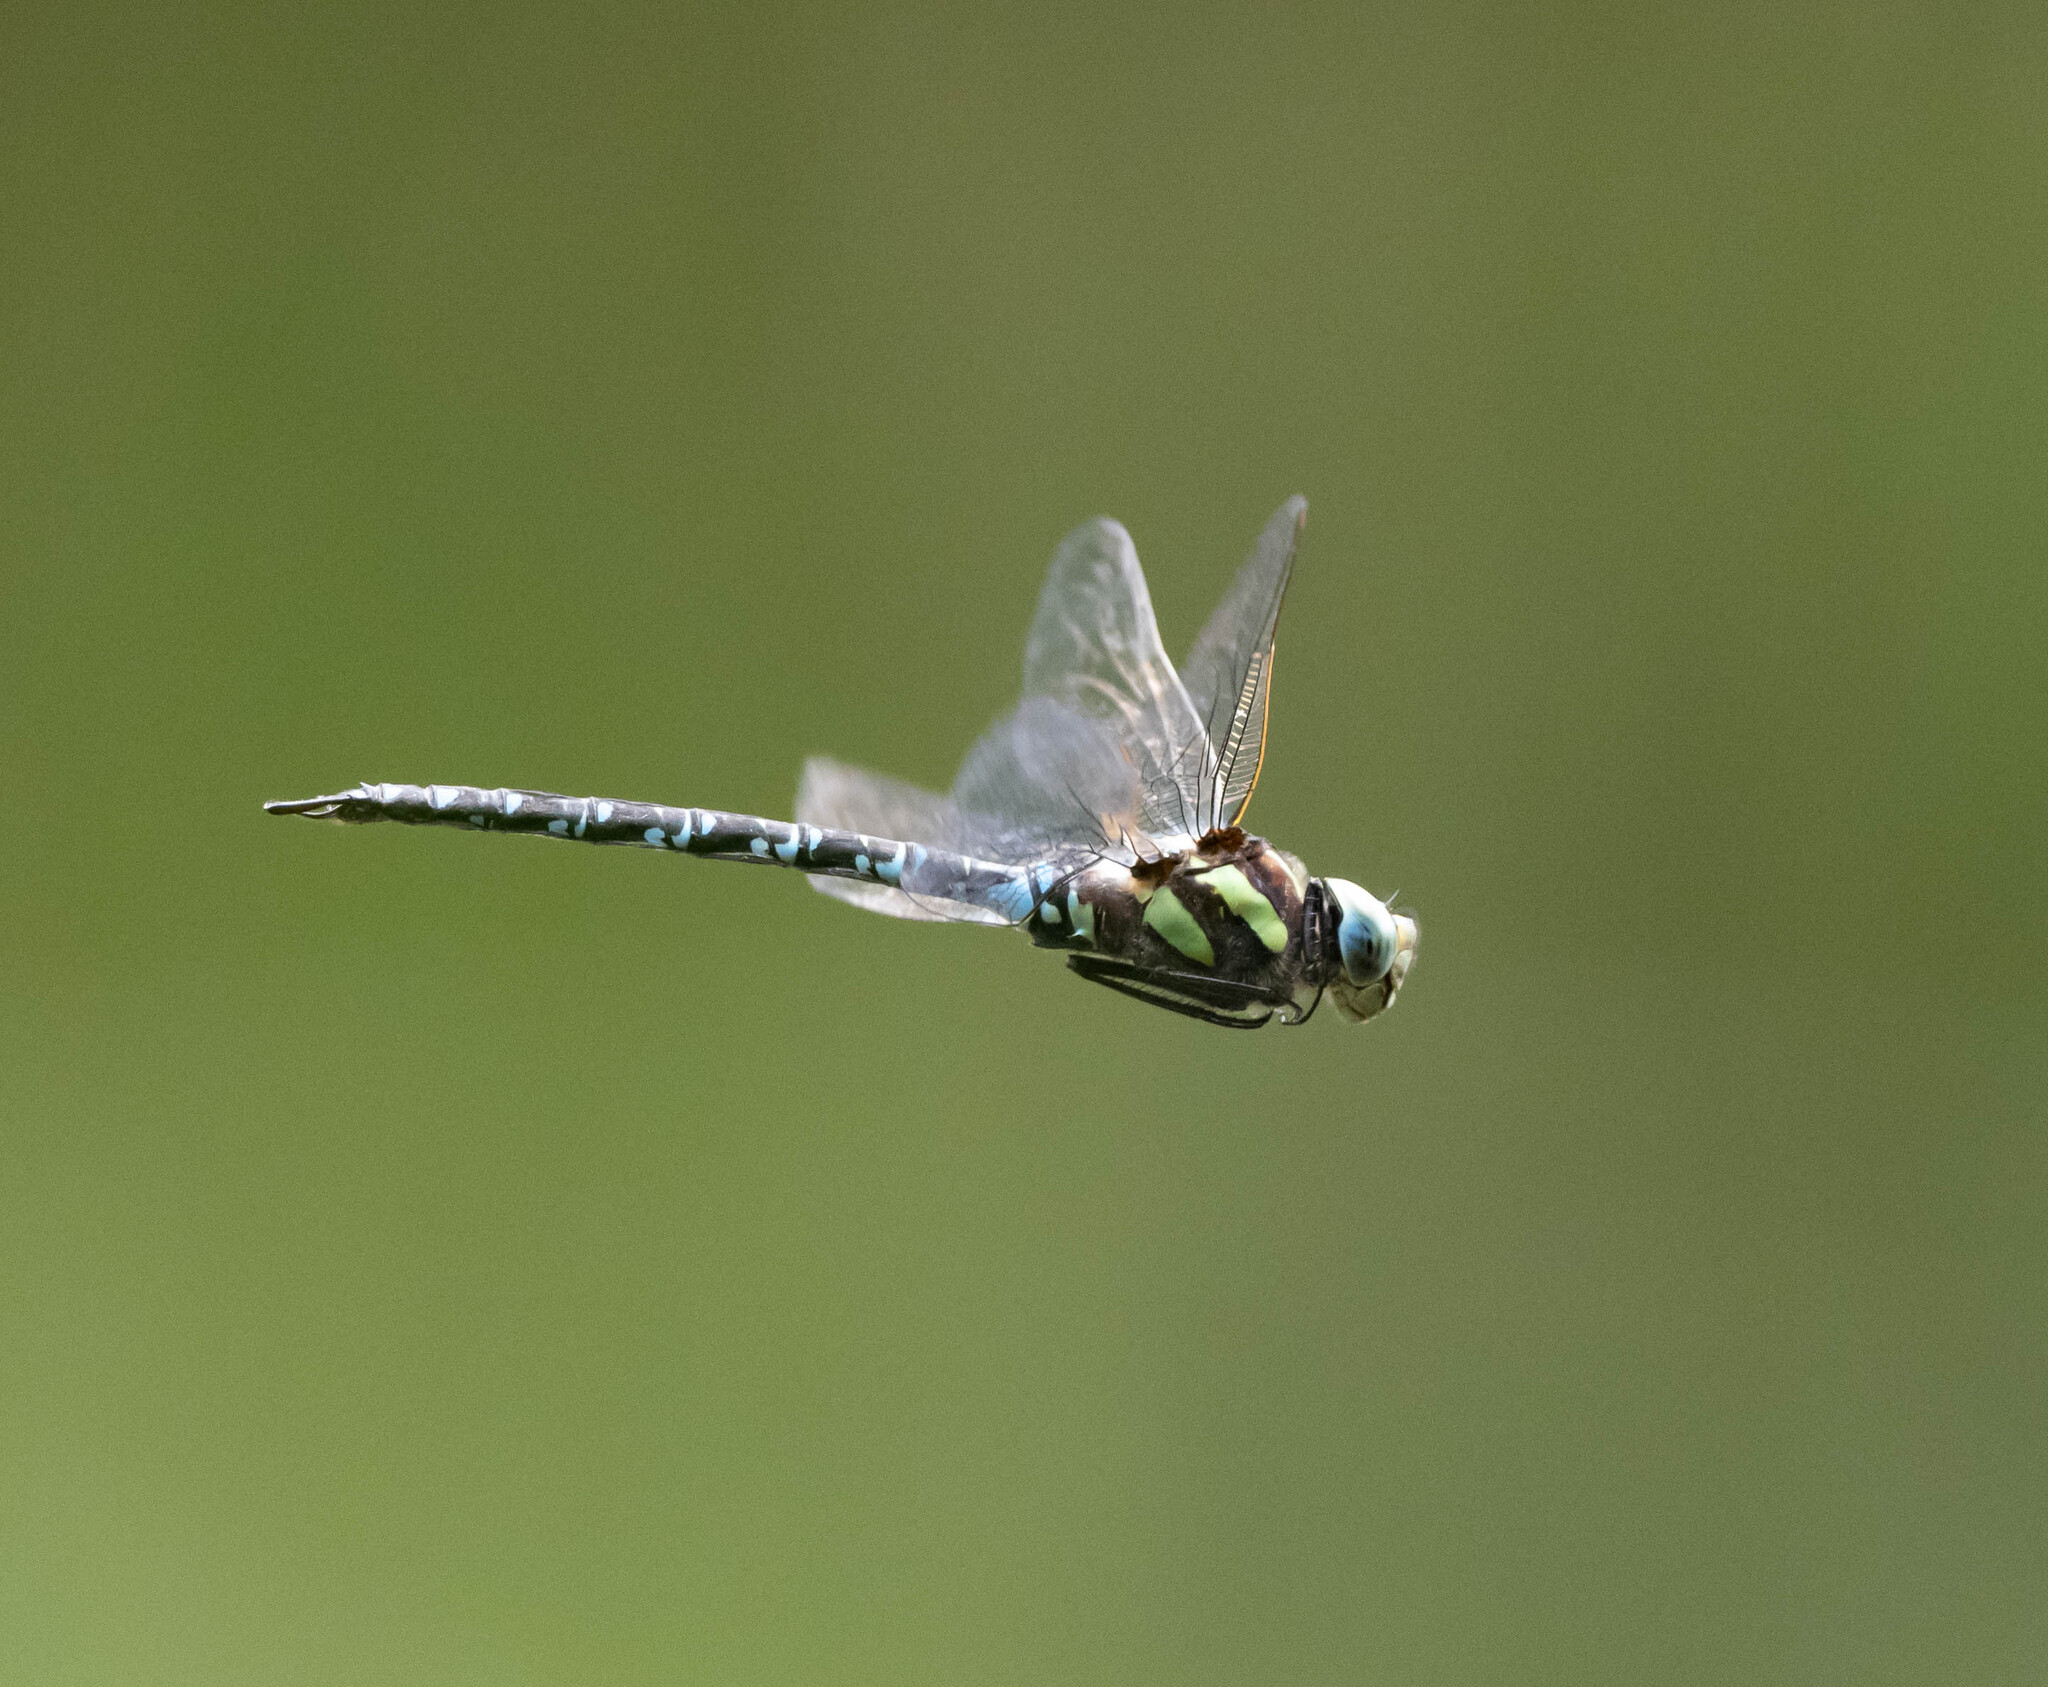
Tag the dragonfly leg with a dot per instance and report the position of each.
(1214, 1001)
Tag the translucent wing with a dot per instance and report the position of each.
(1045, 779)
(1230, 669)
(854, 800)
(1106, 740)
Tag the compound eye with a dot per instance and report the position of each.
(1366, 938)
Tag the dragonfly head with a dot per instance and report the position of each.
(1369, 951)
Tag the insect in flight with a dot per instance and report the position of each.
(1103, 816)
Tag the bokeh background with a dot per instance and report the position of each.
(427, 1259)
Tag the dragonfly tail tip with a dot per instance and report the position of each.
(313, 808)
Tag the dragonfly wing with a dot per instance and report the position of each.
(1045, 778)
(851, 799)
(901, 905)
(1107, 736)
(1230, 670)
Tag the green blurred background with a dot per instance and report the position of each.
(429, 1259)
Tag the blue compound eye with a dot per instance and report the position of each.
(1366, 938)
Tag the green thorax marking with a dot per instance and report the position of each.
(1081, 916)
(1168, 915)
(1248, 903)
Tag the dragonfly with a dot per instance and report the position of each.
(1103, 816)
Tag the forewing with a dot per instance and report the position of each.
(1230, 669)
(1106, 739)
(854, 800)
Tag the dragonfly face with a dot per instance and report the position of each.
(1103, 816)
(1374, 949)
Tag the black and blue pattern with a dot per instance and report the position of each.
(713, 833)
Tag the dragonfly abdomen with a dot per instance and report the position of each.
(711, 832)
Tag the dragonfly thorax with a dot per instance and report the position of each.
(1229, 907)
